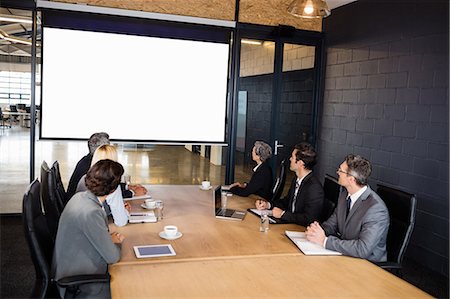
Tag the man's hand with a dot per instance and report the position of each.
(240, 185)
(138, 190)
(277, 212)
(261, 204)
(315, 233)
(117, 238)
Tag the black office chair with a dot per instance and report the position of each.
(279, 182)
(331, 189)
(61, 197)
(49, 201)
(402, 213)
(41, 247)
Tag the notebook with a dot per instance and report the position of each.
(272, 219)
(229, 214)
(308, 248)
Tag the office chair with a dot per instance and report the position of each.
(279, 182)
(2, 120)
(331, 189)
(49, 201)
(402, 212)
(61, 198)
(41, 247)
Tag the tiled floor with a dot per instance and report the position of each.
(150, 164)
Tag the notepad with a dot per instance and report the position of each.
(307, 247)
(145, 196)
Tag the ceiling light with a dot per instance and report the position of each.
(13, 39)
(309, 9)
(251, 42)
(15, 19)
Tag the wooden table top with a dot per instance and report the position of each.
(278, 276)
(225, 259)
(204, 236)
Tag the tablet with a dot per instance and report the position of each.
(153, 250)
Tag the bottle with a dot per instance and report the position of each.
(264, 224)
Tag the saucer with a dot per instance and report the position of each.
(205, 189)
(145, 207)
(163, 235)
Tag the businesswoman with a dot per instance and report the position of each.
(261, 181)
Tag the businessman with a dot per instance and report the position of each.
(304, 202)
(359, 225)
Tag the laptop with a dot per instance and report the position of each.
(229, 214)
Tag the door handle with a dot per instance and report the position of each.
(277, 146)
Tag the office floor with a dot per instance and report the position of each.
(156, 164)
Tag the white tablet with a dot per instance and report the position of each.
(154, 250)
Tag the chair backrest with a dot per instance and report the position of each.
(38, 238)
(48, 196)
(331, 189)
(327, 209)
(279, 181)
(61, 199)
(21, 106)
(13, 108)
(402, 213)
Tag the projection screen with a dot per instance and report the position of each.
(136, 88)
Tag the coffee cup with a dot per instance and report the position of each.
(206, 184)
(150, 203)
(170, 230)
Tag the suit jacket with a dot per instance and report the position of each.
(81, 169)
(308, 203)
(260, 183)
(363, 234)
(83, 244)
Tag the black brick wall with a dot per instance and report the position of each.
(386, 98)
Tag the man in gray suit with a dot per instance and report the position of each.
(359, 225)
(84, 244)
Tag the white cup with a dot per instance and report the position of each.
(206, 184)
(150, 203)
(170, 230)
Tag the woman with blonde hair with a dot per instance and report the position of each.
(119, 209)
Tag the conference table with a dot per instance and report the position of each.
(225, 258)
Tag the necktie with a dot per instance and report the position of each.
(297, 187)
(349, 201)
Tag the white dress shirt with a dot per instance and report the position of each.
(116, 204)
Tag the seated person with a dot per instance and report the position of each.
(261, 180)
(114, 201)
(83, 165)
(359, 225)
(304, 202)
(83, 243)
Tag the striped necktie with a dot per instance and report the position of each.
(294, 200)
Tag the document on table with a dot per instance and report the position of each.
(308, 248)
(258, 213)
(142, 217)
(145, 196)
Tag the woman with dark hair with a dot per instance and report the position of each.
(261, 181)
(84, 244)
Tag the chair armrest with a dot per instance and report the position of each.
(70, 281)
(388, 265)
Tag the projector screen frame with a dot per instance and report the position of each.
(163, 29)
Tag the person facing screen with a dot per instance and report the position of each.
(83, 243)
(261, 181)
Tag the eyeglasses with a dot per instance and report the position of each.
(341, 171)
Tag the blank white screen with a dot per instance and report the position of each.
(133, 87)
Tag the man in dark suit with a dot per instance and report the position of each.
(304, 202)
(84, 164)
(359, 225)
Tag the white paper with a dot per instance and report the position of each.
(307, 247)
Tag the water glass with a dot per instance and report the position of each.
(159, 210)
(223, 202)
(264, 223)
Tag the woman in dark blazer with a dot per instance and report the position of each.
(261, 182)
